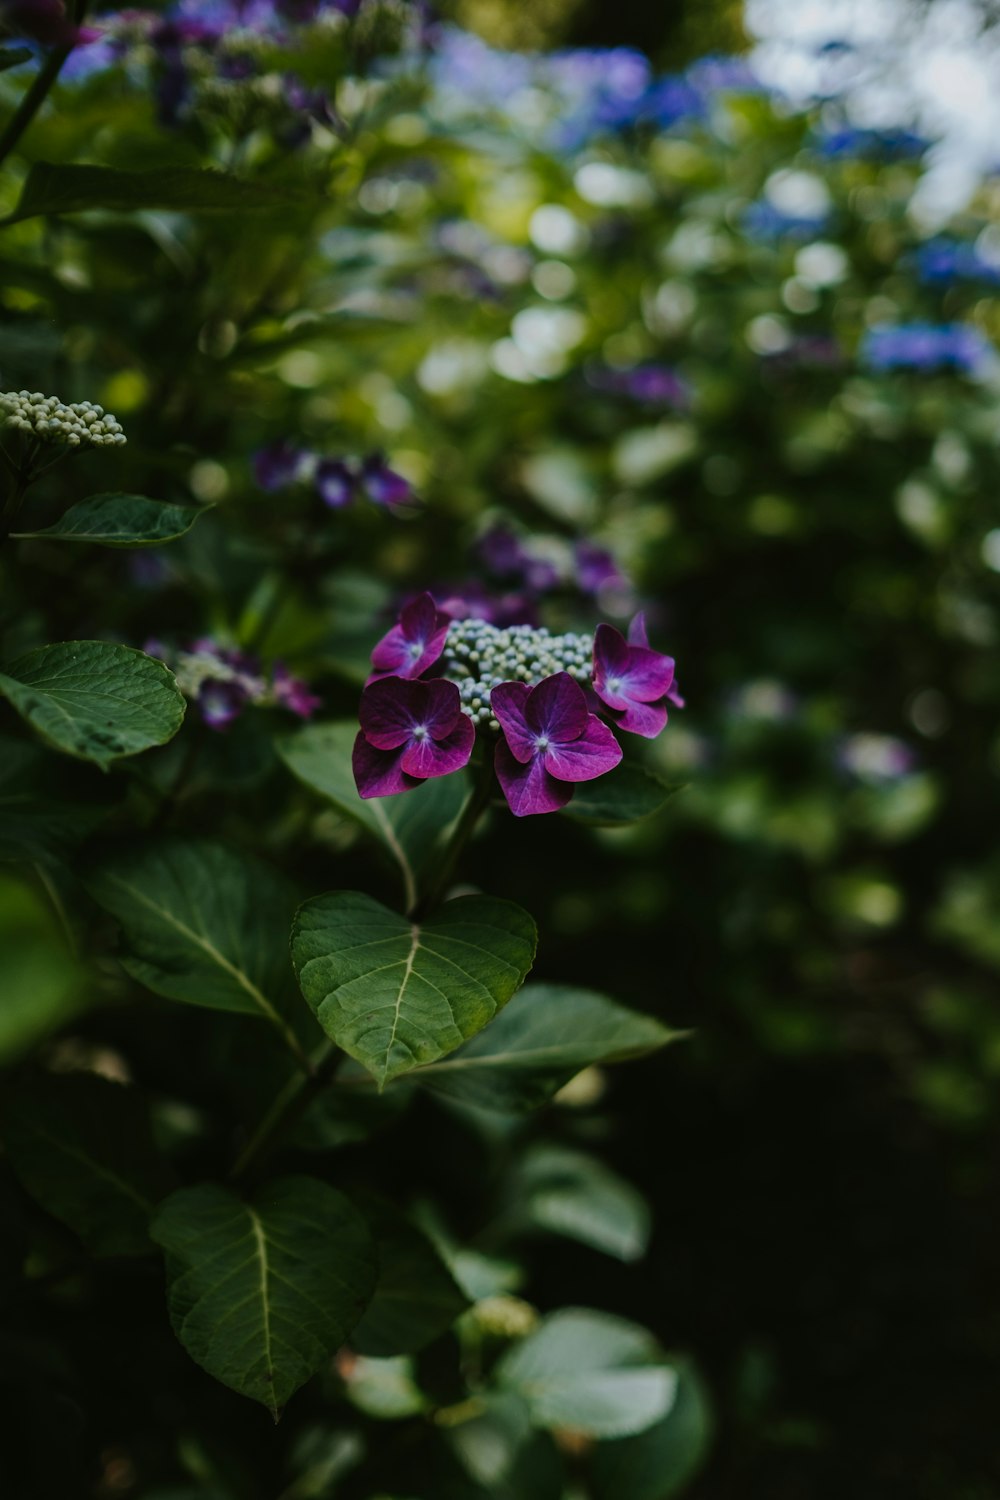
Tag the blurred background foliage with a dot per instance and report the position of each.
(654, 336)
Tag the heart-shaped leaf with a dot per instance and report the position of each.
(201, 923)
(83, 1148)
(262, 1293)
(120, 521)
(396, 994)
(546, 1035)
(590, 1372)
(411, 828)
(95, 700)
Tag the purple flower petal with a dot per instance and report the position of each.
(508, 701)
(292, 693)
(415, 643)
(429, 757)
(647, 719)
(556, 709)
(277, 466)
(626, 674)
(219, 703)
(637, 634)
(335, 482)
(393, 709)
(382, 485)
(583, 759)
(378, 773)
(529, 788)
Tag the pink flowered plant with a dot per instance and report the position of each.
(529, 692)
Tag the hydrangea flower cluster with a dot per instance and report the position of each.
(928, 347)
(222, 682)
(337, 481)
(942, 261)
(537, 565)
(46, 417)
(551, 704)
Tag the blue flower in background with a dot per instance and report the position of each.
(764, 221)
(942, 261)
(928, 347)
(873, 145)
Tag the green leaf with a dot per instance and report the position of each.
(120, 521)
(590, 1372)
(95, 700)
(200, 923)
(42, 984)
(411, 827)
(261, 1293)
(570, 1193)
(625, 795)
(61, 189)
(82, 1147)
(547, 1034)
(395, 994)
(659, 1462)
(416, 1299)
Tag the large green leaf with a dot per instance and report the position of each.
(591, 1372)
(416, 1298)
(61, 189)
(396, 994)
(42, 984)
(625, 795)
(201, 923)
(83, 1148)
(546, 1035)
(411, 827)
(95, 700)
(571, 1193)
(120, 521)
(659, 1462)
(262, 1293)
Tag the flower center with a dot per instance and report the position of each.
(542, 742)
(614, 684)
(415, 648)
(421, 732)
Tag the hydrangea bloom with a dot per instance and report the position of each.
(46, 417)
(530, 692)
(942, 261)
(551, 740)
(222, 681)
(409, 732)
(338, 481)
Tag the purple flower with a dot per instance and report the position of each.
(409, 731)
(596, 569)
(414, 643)
(292, 693)
(219, 703)
(651, 384)
(551, 741)
(475, 603)
(278, 465)
(633, 681)
(382, 485)
(505, 555)
(942, 260)
(335, 482)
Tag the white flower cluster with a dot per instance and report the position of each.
(194, 668)
(49, 418)
(478, 657)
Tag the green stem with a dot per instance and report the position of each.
(286, 1109)
(475, 805)
(32, 100)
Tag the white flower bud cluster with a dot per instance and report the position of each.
(81, 423)
(194, 668)
(478, 657)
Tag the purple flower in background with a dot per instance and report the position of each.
(651, 384)
(596, 569)
(336, 482)
(632, 680)
(506, 557)
(44, 21)
(414, 644)
(292, 693)
(409, 731)
(278, 465)
(220, 702)
(550, 741)
(382, 485)
(670, 100)
(928, 347)
(476, 603)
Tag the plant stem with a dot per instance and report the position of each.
(475, 805)
(33, 100)
(287, 1108)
